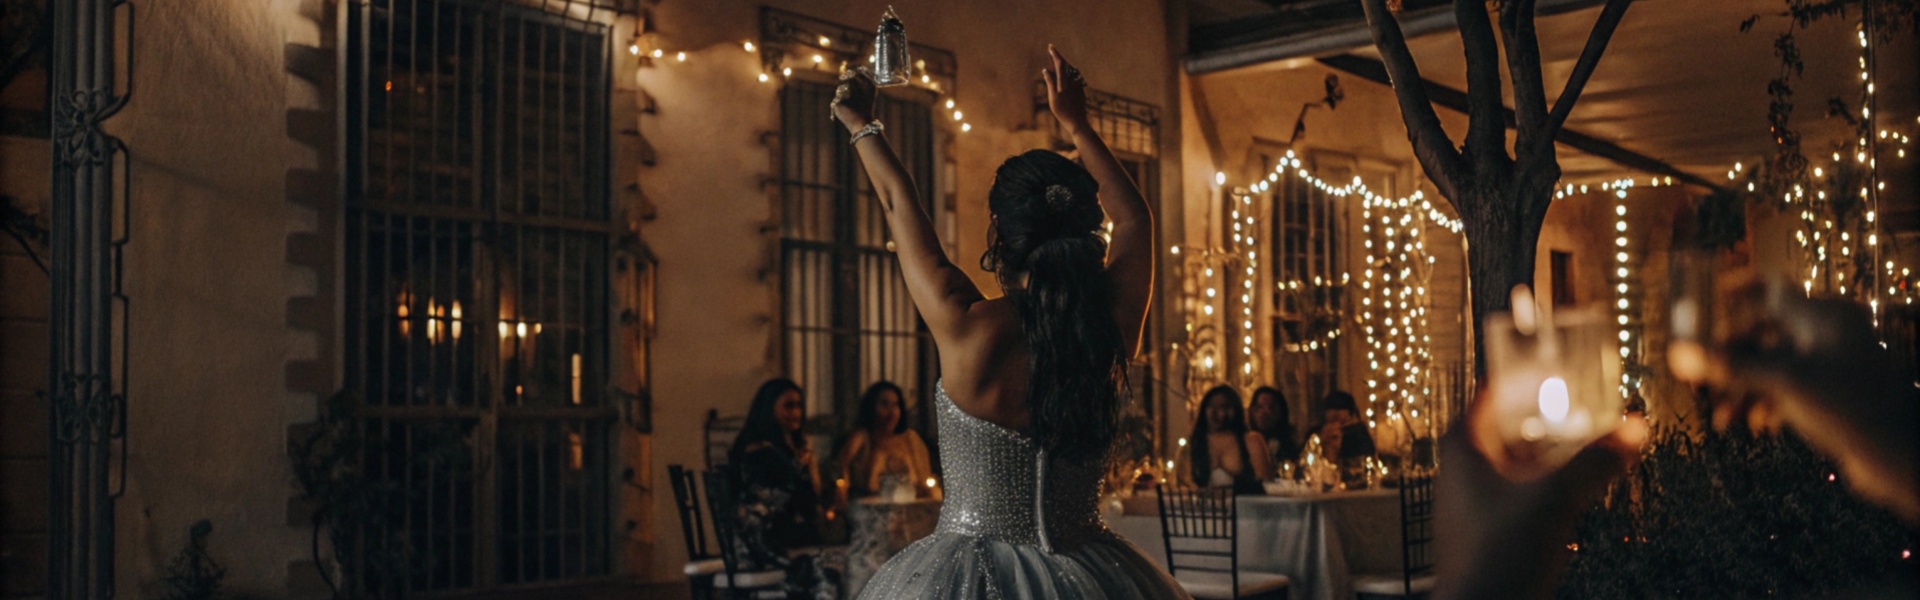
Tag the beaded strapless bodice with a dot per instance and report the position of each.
(1001, 485)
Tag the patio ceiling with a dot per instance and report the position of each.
(1680, 82)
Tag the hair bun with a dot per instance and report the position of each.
(1059, 198)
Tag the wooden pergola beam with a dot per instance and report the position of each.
(1456, 100)
(1276, 37)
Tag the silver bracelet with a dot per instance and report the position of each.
(873, 127)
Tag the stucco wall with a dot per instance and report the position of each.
(25, 169)
(206, 268)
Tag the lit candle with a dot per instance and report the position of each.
(1557, 417)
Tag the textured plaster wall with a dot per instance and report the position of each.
(208, 406)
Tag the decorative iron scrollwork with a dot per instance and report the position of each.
(76, 126)
(83, 408)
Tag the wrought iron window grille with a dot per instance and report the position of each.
(1129, 126)
(845, 316)
(479, 244)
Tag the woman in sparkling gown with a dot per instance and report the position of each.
(1030, 395)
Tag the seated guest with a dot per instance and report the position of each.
(882, 445)
(778, 489)
(1342, 432)
(1221, 452)
(1269, 415)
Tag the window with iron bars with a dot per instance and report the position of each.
(847, 320)
(1309, 294)
(478, 232)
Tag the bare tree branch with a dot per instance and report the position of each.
(1610, 17)
(1431, 146)
(1529, 89)
(1486, 119)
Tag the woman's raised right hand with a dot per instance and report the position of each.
(1066, 91)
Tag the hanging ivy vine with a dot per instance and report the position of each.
(1886, 18)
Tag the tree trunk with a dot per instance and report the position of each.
(1502, 240)
(1502, 200)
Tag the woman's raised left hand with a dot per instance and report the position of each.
(853, 100)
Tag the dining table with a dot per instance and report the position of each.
(1320, 541)
(881, 528)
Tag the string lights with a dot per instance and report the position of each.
(1625, 283)
(1393, 295)
(824, 56)
(1838, 232)
(1836, 205)
(804, 51)
(1393, 306)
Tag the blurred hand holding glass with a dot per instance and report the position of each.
(1550, 383)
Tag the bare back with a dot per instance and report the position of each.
(985, 366)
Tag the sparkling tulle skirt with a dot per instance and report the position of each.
(949, 565)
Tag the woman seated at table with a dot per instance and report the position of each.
(1269, 415)
(882, 447)
(778, 489)
(1343, 435)
(1221, 452)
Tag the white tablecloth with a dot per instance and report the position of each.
(1320, 541)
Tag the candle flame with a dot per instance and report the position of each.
(1554, 402)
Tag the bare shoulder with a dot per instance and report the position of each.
(985, 368)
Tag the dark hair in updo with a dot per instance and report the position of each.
(1048, 224)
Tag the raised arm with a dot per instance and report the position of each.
(939, 290)
(1130, 254)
